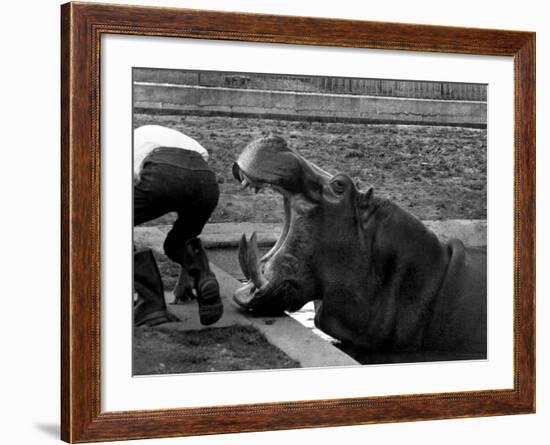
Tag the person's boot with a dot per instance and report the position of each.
(150, 308)
(206, 285)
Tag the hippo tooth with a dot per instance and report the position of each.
(244, 184)
(243, 254)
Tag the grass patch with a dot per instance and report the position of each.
(167, 351)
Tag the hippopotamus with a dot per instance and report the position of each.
(380, 279)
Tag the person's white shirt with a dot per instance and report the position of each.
(149, 137)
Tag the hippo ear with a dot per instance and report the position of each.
(364, 199)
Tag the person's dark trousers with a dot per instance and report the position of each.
(176, 180)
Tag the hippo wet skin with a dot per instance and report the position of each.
(380, 279)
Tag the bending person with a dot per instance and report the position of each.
(171, 174)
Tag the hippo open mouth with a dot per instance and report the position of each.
(385, 282)
(279, 280)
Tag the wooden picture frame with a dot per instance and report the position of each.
(82, 26)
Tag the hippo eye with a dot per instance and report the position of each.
(338, 186)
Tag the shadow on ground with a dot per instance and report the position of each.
(49, 429)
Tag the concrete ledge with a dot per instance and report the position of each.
(472, 232)
(193, 99)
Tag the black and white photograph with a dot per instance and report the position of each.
(286, 221)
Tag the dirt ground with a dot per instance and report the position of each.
(433, 172)
(165, 351)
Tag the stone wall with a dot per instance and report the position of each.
(231, 101)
